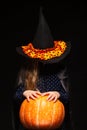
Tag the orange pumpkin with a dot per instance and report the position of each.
(40, 114)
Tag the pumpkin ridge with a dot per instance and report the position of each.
(51, 105)
(38, 110)
(53, 114)
(62, 114)
(29, 115)
(25, 111)
(63, 111)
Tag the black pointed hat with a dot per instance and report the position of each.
(44, 48)
(43, 38)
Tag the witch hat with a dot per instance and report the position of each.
(43, 38)
(44, 48)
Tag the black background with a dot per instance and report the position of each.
(18, 22)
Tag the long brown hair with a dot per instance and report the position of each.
(28, 75)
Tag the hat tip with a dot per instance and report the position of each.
(41, 9)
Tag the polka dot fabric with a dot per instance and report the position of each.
(48, 82)
(51, 82)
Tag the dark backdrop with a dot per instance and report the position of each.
(18, 22)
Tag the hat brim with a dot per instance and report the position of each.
(52, 60)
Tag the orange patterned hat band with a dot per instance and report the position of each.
(45, 54)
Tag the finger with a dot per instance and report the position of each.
(28, 98)
(50, 98)
(32, 97)
(46, 93)
(39, 93)
(55, 99)
(36, 94)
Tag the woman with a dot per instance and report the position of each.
(44, 72)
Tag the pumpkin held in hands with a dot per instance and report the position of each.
(40, 114)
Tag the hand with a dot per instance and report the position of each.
(31, 94)
(52, 95)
